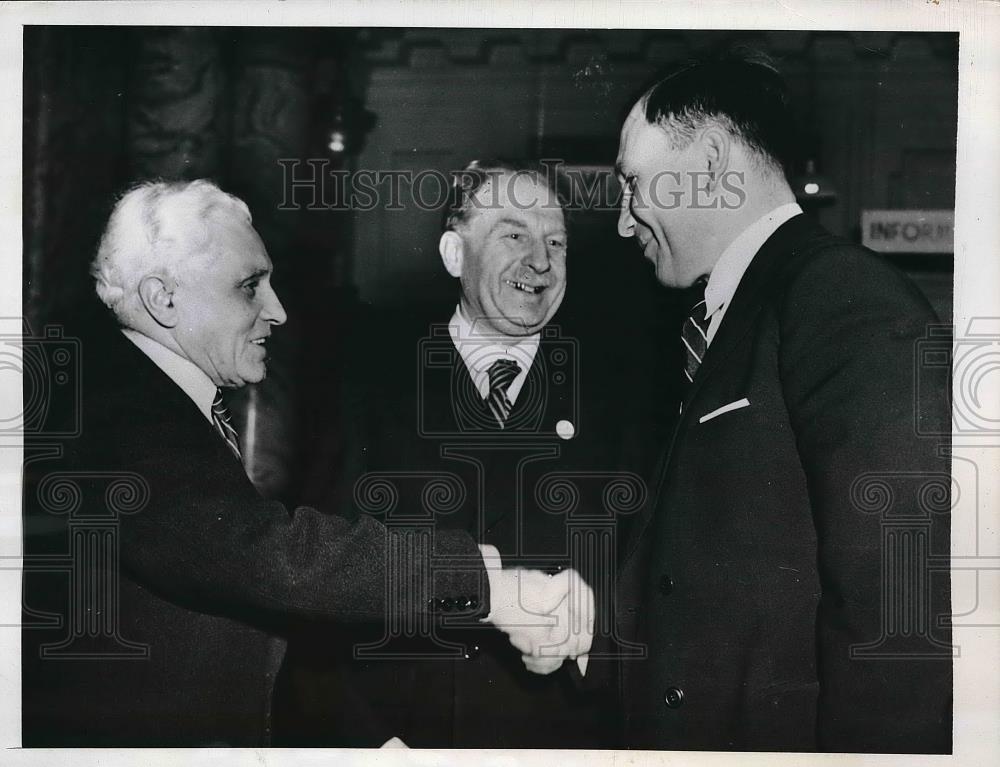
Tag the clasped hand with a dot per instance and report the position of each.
(549, 618)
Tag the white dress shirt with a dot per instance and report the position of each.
(735, 259)
(480, 347)
(184, 373)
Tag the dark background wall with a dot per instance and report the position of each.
(105, 107)
(877, 113)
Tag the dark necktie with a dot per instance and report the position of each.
(694, 336)
(220, 417)
(502, 373)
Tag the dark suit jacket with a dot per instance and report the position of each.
(790, 579)
(540, 499)
(156, 619)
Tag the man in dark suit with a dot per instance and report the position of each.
(182, 579)
(789, 580)
(493, 417)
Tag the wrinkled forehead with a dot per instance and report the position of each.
(518, 195)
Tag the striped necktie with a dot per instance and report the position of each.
(220, 417)
(502, 373)
(694, 336)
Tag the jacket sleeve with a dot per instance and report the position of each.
(880, 496)
(205, 539)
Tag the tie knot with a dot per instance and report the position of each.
(698, 315)
(694, 335)
(502, 373)
(218, 406)
(220, 417)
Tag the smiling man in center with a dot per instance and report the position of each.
(505, 241)
(507, 247)
(475, 418)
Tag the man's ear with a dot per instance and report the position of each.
(452, 251)
(157, 295)
(717, 144)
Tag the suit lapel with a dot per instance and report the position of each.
(449, 399)
(466, 388)
(534, 413)
(531, 418)
(537, 406)
(159, 387)
(755, 288)
(757, 284)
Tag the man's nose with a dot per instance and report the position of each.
(273, 311)
(626, 223)
(538, 257)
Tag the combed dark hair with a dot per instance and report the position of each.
(468, 181)
(742, 90)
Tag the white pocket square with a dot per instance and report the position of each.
(725, 409)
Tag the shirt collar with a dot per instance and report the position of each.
(480, 349)
(188, 376)
(735, 259)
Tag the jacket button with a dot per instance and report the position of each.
(673, 697)
(447, 604)
(666, 585)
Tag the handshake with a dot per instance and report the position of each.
(549, 618)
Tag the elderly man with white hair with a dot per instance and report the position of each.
(206, 574)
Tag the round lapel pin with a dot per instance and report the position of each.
(565, 430)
